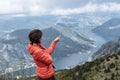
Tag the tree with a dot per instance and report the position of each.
(107, 59)
(107, 70)
(116, 57)
(117, 75)
(106, 78)
(116, 68)
(118, 52)
(112, 65)
(113, 76)
(1, 76)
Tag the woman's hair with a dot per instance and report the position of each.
(35, 36)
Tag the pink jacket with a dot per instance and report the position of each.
(43, 59)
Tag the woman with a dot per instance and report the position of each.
(41, 55)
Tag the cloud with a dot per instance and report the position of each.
(6, 6)
(106, 1)
(90, 7)
(58, 7)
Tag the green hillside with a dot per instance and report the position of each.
(106, 68)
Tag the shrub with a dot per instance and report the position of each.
(107, 70)
(112, 65)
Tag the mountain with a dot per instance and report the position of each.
(14, 48)
(14, 23)
(82, 20)
(105, 68)
(110, 30)
(107, 48)
(14, 44)
(79, 21)
(71, 40)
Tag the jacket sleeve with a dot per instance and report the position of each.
(43, 56)
(51, 48)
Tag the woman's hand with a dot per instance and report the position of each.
(57, 39)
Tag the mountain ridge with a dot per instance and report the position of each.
(109, 30)
(107, 48)
(14, 45)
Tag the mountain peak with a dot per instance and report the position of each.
(72, 34)
(20, 34)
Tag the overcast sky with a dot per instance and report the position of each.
(58, 7)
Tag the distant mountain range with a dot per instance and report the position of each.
(30, 22)
(14, 45)
(110, 30)
(78, 21)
